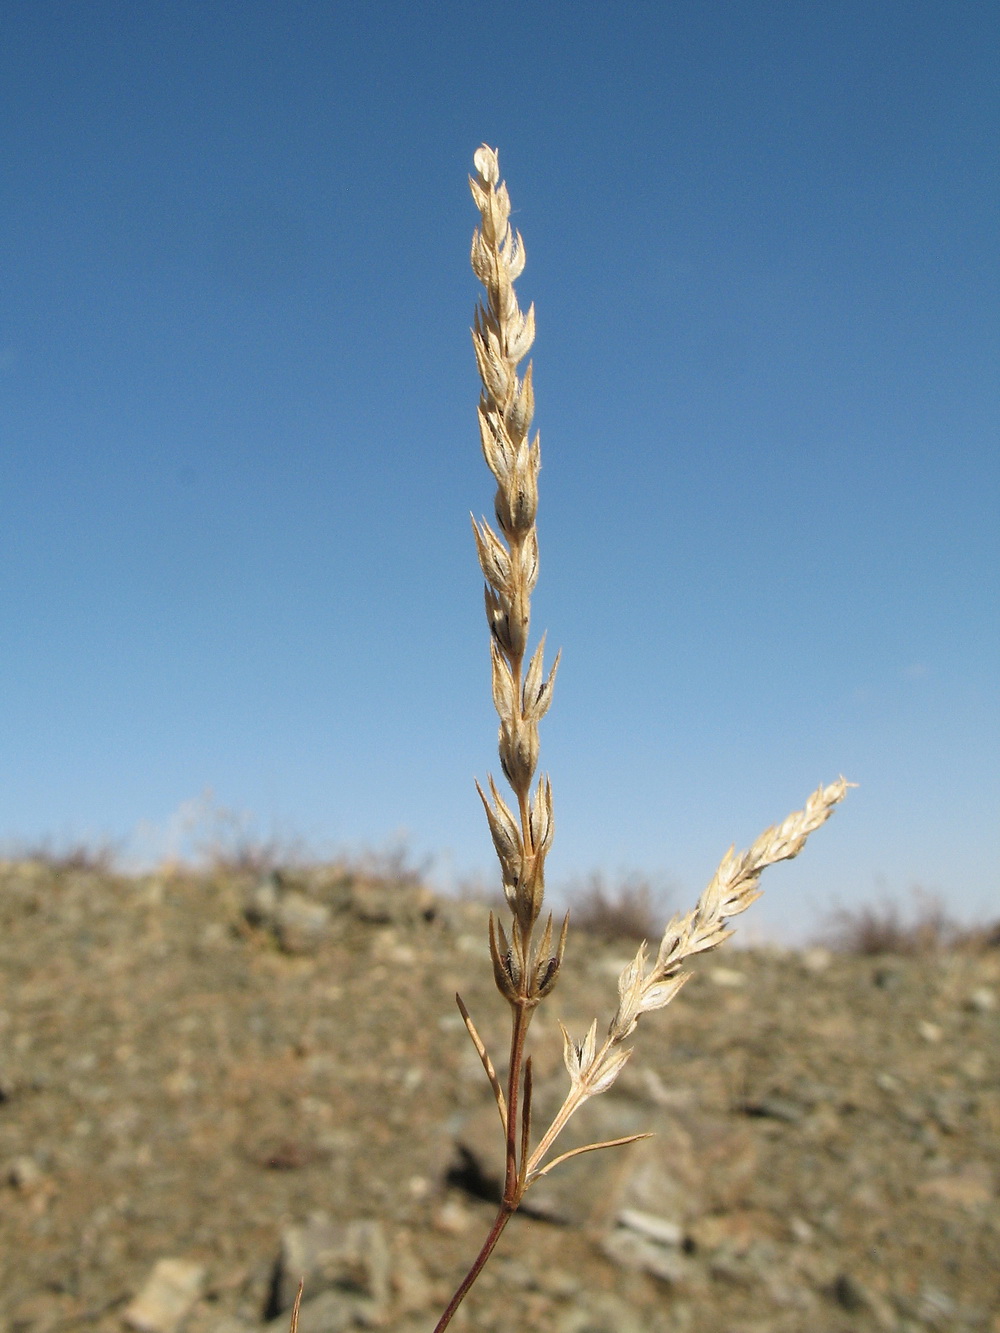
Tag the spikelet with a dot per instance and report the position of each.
(502, 336)
(732, 889)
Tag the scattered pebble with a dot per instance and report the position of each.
(453, 1217)
(817, 960)
(167, 1297)
(726, 976)
(983, 1000)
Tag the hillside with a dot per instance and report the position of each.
(191, 1068)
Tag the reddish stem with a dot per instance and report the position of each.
(502, 1218)
(513, 1189)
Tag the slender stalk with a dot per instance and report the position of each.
(479, 1263)
(520, 1018)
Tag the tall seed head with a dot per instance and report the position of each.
(502, 336)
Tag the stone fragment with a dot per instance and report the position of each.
(329, 1312)
(658, 1229)
(857, 1298)
(388, 904)
(411, 1287)
(25, 1174)
(351, 1258)
(983, 1000)
(301, 924)
(801, 1230)
(816, 960)
(168, 1295)
(262, 902)
(727, 977)
(935, 1308)
(850, 1294)
(887, 977)
(647, 1243)
(693, 1163)
(774, 1108)
(739, 1267)
(453, 1218)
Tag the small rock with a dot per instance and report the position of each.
(301, 923)
(936, 1307)
(352, 1258)
(388, 948)
(262, 902)
(411, 1286)
(25, 1174)
(633, 1249)
(453, 1218)
(726, 976)
(726, 1265)
(558, 1283)
(850, 1294)
(983, 1000)
(658, 1229)
(774, 1108)
(170, 1291)
(816, 960)
(388, 904)
(930, 1032)
(801, 1230)
(887, 977)
(329, 1312)
(639, 1081)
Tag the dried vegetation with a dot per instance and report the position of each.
(526, 956)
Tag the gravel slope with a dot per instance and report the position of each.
(177, 1082)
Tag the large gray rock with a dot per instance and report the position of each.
(299, 921)
(696, 1161)
(329, 1312)
(349, 1259)
(383, 903)
(301, 924)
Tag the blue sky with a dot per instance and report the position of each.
(239, 447)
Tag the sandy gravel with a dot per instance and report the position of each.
(176, 1084)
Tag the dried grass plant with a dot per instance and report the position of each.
(526, 954)
(526, 960)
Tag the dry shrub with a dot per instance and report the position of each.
(978, 939)
(99, 858)
(887, 928)
(628, 910)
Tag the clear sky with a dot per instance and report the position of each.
(239, 447)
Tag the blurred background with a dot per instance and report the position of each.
(239, 442)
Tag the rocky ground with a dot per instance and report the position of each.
(209, 1084)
